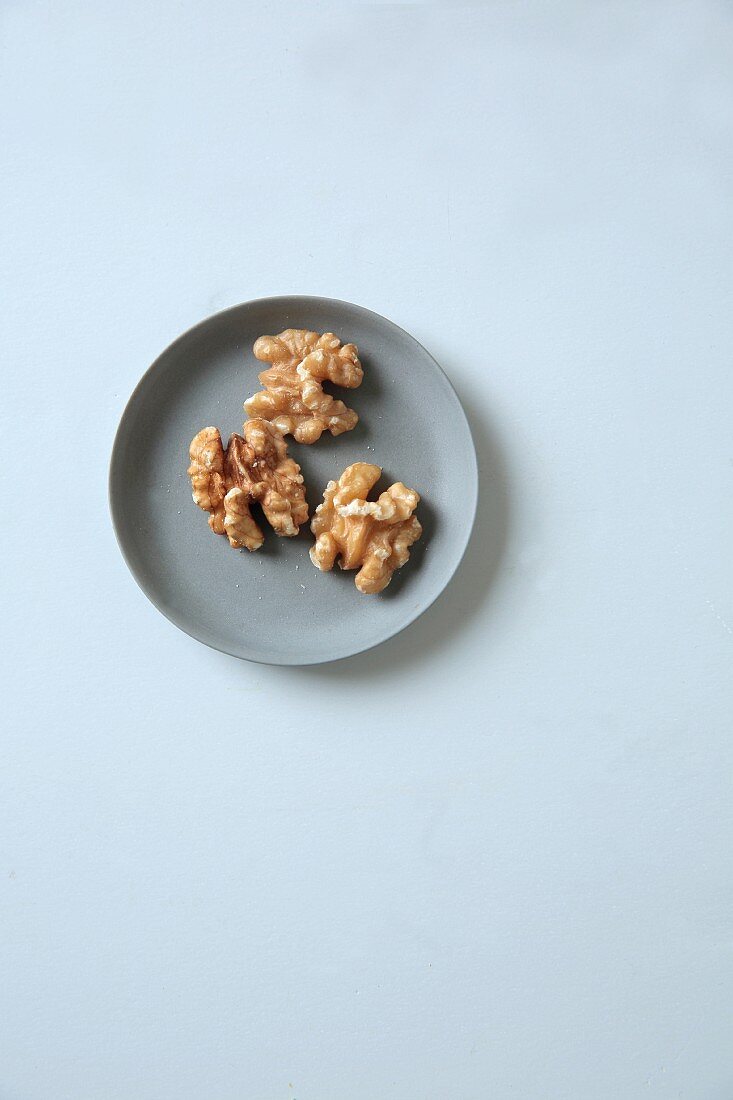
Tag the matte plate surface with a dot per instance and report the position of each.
(273, 605)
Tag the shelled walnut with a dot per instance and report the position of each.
(254, 467)
(293, 398)
(372, 536)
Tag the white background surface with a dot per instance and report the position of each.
(491, 859)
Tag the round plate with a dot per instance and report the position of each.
(274, 605)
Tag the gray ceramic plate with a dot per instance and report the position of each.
(273, 605)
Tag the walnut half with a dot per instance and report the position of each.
(373, 536)
(255, 467)
(293, 398)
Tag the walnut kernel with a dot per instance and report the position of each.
(372, 536)
(293, 398)
(255, 467)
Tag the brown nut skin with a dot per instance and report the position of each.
(293, 398)
(254, 467)
(372, 536)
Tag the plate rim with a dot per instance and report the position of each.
(114, 459)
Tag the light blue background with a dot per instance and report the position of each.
(493, 858)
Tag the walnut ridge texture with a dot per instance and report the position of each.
(254, 468)
(372, 536)
(293, 398)
(207, 476)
